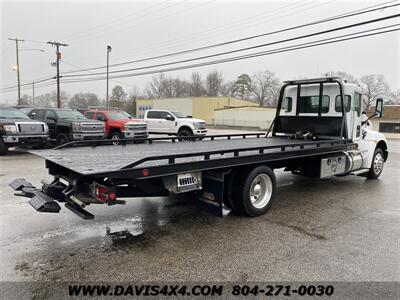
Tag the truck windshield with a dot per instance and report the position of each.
(178, 114)
(12, 114)
(118, 115)
(69, 114)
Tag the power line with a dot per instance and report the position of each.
(195, 35)
(246, 48)
(257, 54)
(117, 20)
(321, 42)
(158, 19)
(116, 81)
(334, 18)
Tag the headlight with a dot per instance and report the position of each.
(198, 125)
(46, 128)
(10, 128)
(76, 127)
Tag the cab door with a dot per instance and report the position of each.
(167, 125)
(356, 116)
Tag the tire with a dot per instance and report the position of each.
(256, 193)
(62, 138)
(3, 147)
(378, 161)
(183, 135)
(115, 137)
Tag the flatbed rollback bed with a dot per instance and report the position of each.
(232, 171)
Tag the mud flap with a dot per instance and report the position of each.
(210, 198)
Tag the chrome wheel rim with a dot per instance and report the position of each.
(115, 139)
(378, 163)
(261, 190)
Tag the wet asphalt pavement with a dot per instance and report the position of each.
(337, 229)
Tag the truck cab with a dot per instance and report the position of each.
(119, 124)
(330, 109)
(174, 123)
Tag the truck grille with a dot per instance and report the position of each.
(202, 125)
(136, 127)
(92, 127)
(31, 128)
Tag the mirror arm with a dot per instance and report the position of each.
(370, 118)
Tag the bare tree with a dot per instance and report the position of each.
(197, 88)
(394, 97)
(373, 86)
(83, 100)
(343, 75)
(50, 99)
(180, 88)
(156, 87)
(262, 86)
(214, 82)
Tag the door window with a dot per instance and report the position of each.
(100, 117)
(89, 115)
(357, 103)
(164, 114)
(50, 115)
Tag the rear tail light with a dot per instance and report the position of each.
(104, 193)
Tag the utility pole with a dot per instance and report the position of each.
(33, 94)
(108, 63)
(18, 79)
(58, 57)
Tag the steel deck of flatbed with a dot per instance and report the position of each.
(91, 160)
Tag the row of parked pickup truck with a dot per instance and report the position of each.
(38, 127)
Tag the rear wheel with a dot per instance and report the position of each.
(378, 161)
(3, 148)
(62, 138)
(256, 192)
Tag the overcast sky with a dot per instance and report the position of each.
(140, 29)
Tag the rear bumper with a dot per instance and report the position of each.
(25, 139)
(83, 136)
(135, 134)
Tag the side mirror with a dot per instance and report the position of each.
(169, 118)
(379, 108)
(54, 119)
(32, 115)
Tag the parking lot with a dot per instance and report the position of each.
(337, 229)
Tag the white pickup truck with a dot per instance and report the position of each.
(174, 123)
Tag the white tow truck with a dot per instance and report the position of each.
(318, 131)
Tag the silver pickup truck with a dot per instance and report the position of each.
(17, 129)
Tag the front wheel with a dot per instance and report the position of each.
(184, 135)
(257, 192)
(3, 147)
(62, 138)
(115, 137)
(378, 161)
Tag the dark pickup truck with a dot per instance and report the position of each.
(17, 129)
(67, 125)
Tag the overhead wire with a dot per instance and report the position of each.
(246, 48)
(334, 18)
